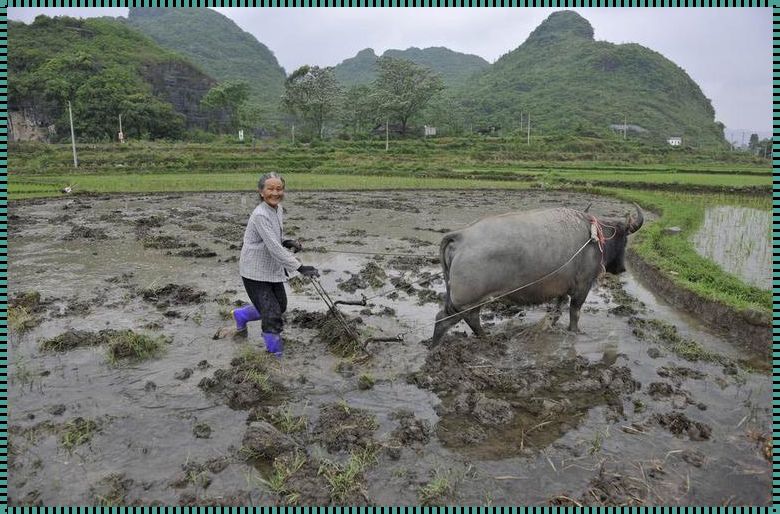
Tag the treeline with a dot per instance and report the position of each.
(559, 84)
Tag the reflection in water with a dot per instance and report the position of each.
(737, 238)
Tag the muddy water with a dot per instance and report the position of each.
(738, 239)
(526, 415)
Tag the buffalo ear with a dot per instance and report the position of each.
(634, 224)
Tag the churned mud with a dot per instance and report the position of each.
(127, 376)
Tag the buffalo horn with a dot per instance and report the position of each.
(635, 224)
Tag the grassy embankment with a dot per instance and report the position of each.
(42, 170)
(38, 170)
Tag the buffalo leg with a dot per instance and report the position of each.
(557, 310)
(472, 320)
(443, 323)
(574, 312)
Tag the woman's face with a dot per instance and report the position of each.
(272, 192)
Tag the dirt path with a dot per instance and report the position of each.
(616, 415)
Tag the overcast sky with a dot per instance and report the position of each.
(727, 51)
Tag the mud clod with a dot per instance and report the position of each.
(82, 232)
(197, 252)
(56, 410)
(111, 490)
(342, 428)
(201, 431)
(614, 489)
(263, 441)
(247, 383)
(411, 430)
(184, 374)
(679, 373)
(173, 294)
(679, 424)
(238, 499)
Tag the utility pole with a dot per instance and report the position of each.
(625, 126)
(293, 133)
(72, 137)
(387, 135)
(528, 141)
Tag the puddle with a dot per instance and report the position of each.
(521, 416)
(739, 240)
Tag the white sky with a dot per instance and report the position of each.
(727, 51)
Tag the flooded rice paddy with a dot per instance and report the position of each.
(739, 240)
(528, 414)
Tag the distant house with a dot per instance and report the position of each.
(674, 140)
(488, 130)
(429, 131)
(618, 127)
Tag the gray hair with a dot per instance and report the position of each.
(263, 178)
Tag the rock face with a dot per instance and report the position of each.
(104, 69)
(29, 125)
(183, 86)
(217, 46)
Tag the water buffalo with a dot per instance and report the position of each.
(529, 257)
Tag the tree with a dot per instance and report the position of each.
(312, 94)
(228, 96)
(753, 144)
(359, 109)
(403, 88)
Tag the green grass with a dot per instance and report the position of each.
(20, 319)
(76, 432)
(129, 346)
(436, 491)
(168, 183)
(283, 468)
(345, 479)
(286, 422)
(366, 381)
(39, 170)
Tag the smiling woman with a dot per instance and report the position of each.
(267, 261)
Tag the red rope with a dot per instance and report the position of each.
(599, 237)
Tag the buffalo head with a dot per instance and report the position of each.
(617, 233)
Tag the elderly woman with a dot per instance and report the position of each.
(267, 261)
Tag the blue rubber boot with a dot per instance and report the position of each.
(242, 316)
(273, 343)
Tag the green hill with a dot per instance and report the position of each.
(105, 70)
(216, 44)
(572, 84)
(454, 67)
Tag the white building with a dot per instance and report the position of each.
(674, 140)
(429, 131)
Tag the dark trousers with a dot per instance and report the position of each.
(270, 299)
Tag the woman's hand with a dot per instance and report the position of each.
(309, 271)
(293, 245)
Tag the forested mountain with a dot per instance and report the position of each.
(453, 67)
(103, 69)
(216, 44)
(570, 83)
